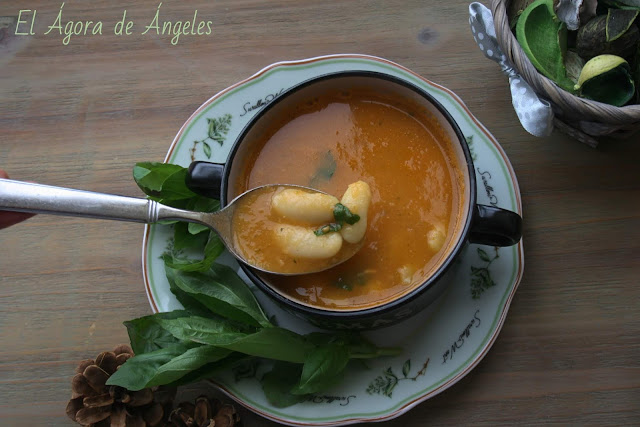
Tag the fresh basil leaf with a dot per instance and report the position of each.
(202, 330)
(164, 366)
(136, 372)
(179, 204)
(222, 292)
(342, 214)
(175, 188)
(186, 363)
(194, 228)
(323, 368)
(210, 370)
(183, 239)
(324, 338)
(246, 369)
(163, 181)
(151, 175)
(360, 347)
(269, 343)
(224, 274)
(278, 382)
(188, 301)
(201, 204)
(337, 337)
(274, 343)
(146, 334)
(212, 251)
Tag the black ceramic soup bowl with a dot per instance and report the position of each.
(482, 224)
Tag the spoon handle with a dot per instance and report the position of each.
(45, 199)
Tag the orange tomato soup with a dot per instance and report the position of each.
(405, 156)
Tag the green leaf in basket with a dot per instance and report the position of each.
(602, 35)
(573, 63)
(606, 78)
(544, 39)
(618, 22)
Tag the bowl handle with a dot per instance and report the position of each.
(205, 178)
(495, 226)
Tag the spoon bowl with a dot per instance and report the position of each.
(222, 222)
(44, 199)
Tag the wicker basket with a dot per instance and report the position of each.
(580, 118)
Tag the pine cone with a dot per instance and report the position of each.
(93, 403)
(205, 413)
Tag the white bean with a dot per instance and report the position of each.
(299, 205)
(357, 198)
(298, 241)
(436, 238)
(406, 273)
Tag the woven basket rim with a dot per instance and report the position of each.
(569, 104)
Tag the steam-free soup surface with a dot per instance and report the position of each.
(406, 158)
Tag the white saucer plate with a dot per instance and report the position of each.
(440, 345)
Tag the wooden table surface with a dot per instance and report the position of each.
(80, 115)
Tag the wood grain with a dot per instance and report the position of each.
(81, 115)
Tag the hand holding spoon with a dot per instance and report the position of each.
(43, 199)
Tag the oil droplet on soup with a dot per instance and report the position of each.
(405, 156)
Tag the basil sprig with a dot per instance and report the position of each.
(222, 325)
(342, 215)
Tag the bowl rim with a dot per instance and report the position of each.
(418, 290)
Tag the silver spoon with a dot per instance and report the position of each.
(44, 199)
